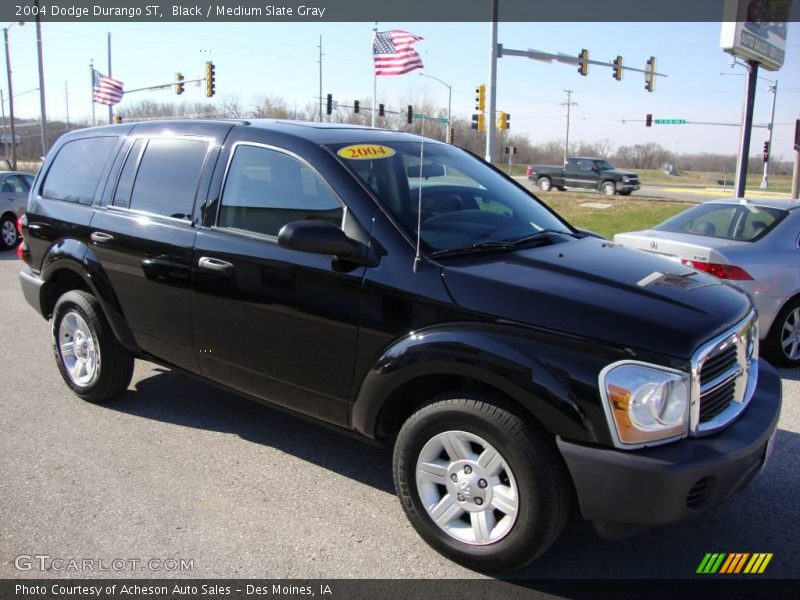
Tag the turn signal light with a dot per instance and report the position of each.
(718, 270)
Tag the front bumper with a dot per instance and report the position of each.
(677, 481)
(627, 187)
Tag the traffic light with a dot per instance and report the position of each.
(451, 135)
(480, 98)
(381, 110)
(179, 85)
(329, 104)
(211, 80)
(503, 119)
(478, 122)
(618, 68)
(650, 75)
(117, 119)
(356, 106)
(583, 62)
(766, 151)
(410, 114)
(648, 120)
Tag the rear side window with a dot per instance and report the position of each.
(167, 177)
(76, 170)
(266, 189)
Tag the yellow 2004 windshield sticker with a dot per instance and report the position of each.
(365, 152)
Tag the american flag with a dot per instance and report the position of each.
(106, 90)
(394, 52)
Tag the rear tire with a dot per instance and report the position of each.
(544, 184)
(495, 483)
(9, 236)
(782, 344)
(92, 362)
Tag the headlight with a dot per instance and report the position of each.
(626, 179)
(645, 403)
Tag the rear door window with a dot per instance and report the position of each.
(167, 176)
(77, 168)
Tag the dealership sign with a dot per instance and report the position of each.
(756, 30)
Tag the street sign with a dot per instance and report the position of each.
(669, 121)
(421, 116)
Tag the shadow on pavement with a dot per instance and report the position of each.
(175, 398)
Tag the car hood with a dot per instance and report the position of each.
(620, 173)
(596, 289)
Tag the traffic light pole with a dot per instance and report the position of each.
(765, 179)
(492, 87)
(747, 123)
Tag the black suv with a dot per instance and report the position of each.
(406, 290)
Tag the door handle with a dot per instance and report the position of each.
(100, 237)
(214, 264)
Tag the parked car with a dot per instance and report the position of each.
(404, 289)
(751, 244)
(14, 188)
(584, 173)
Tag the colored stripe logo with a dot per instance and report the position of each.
(734, 563)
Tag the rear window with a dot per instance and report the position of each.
(741, 222)
(76, 170)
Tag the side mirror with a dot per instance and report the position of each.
(321, 237)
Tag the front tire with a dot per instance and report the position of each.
(782, 344)
(9, 236)
(608, 188)
(479, 484)
(92, 362)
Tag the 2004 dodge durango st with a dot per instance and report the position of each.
(404, 289)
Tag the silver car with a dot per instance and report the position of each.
(751, 244)
(14, 188)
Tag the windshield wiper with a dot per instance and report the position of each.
(497, 245)
(480, 247)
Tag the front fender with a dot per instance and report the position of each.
(552, 377)
(76, 257)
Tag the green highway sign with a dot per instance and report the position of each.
(441, 120)
(670, 121)
(419, 116)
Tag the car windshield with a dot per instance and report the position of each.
(742, 222)
(464, 202)
(603, 165)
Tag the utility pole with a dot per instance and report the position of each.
(765, 179)
(5, 137)
(747, 124)
(569, 104)
(320, 78)
(66, 100)
(796, 172)
(492, 91)
(110, 108)
(11, 98)
(43, 111)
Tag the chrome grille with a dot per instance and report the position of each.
(724, 373)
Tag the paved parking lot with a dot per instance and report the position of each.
(176, 469)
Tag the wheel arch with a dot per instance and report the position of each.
(428, 363)
(71, 265)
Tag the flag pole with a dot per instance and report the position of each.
(374, 75)
(91, 74)
(110, 107)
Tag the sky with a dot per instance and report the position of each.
(281, 59)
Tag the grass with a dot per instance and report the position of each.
(625, 214)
